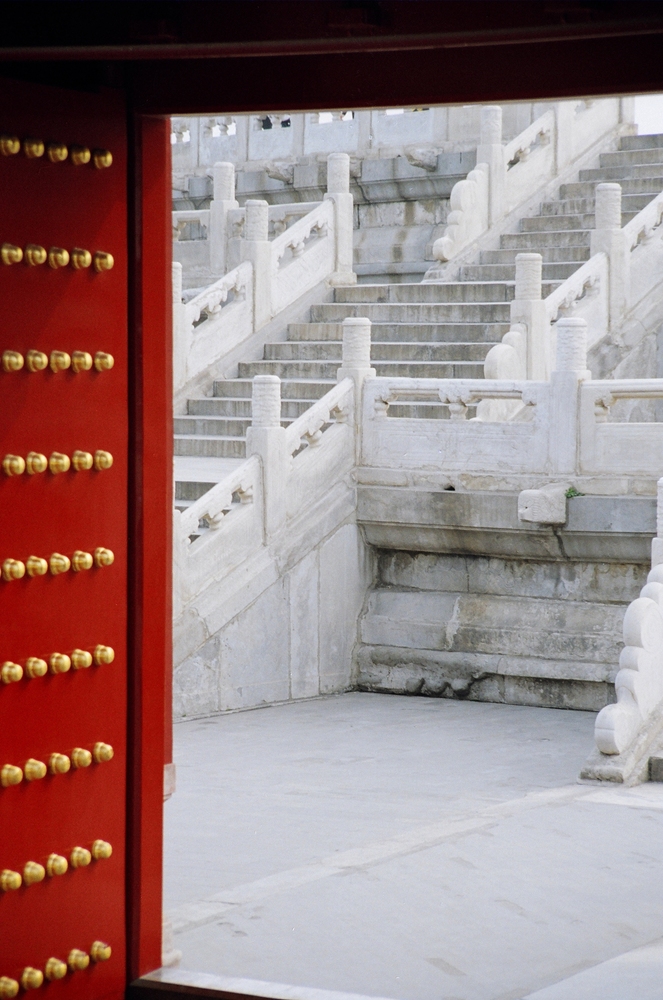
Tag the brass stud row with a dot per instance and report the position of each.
(58, 663)
(58, 361)
(15, 569)
(35, 462)
(56, 152)
(56, 864)
(55, 968)
(58, 763)
(57, 257)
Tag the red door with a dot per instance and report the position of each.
(63, 542)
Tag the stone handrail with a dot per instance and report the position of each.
(516, 171)
(540, 132)
(316, 249)
(217, 504)
(641, 227)
(182, 217)
(309, 427)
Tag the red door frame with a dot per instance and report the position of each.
(355, 68)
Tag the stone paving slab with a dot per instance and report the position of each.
(410, 848)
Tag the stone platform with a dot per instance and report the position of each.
(411, 848)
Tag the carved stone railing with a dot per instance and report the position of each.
(316, 248)
(507, 176)
(184, 219)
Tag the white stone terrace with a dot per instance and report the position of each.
(411, 848)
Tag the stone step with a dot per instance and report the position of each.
(634, 185)
(217, 446)
(539, 241)
(412, 332)
(641, 141)
(571, 631)
(550, 255)
(631, 157)
(226, 406)
(546, 223)
(330, 350)
(620, 174)
(455, 312)
(449, 291)
(296, 389)
(384, 369)
(631, 203)
(506, 272)
(187, 492)
(216, 426)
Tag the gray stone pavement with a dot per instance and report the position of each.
(412, 848)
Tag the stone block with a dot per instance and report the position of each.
(303, 582)
(544, 506)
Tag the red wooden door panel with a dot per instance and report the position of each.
(62, 205)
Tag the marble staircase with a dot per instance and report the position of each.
(441, 330)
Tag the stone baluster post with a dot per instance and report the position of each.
(491, 151)
(266, 438)
(529, 309)
(570, 371)
(607, 237)
(657, 542)
(180, 331)
(256, 248)
(338, 191)
(223, 200)
(356, 365)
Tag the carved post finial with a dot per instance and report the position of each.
(338, 173)
(491, 125)
(608, 206)
(356, 342)
(257, 220)
(224, 181)
(529, 268)
(571, 345)
(266, 401)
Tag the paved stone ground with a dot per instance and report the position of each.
(413, 848)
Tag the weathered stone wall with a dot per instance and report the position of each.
(281, 637)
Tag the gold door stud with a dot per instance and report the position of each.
(9, 880)
(103, 557)
(103, 752)
(58, 257)
(103, 654)
(10, 775)
(55, 969)
(80, 258)
(37, 361)
(59, 563)
(103, 261)
(58, 763)
(34, 770)
(10, 145)
(13, 465)
(82, 460)
(100, 951)
(56, 865)
(80, 857)
(10, 254)
(81, 561)
(36, 566)
(33, 148)
(35, 667)
(60, 663)
(57, 152)
(10, 672)
(103, 361)
(101, 850)
(35, 255)
(8, 988)
(12, 361)
(103, 158)
(60, 361)
(80, 155)
(13, 569)
(33, 873)
(81, 659)
(81, 758)
(81, 361)
(35, 463)
(78, 960)
(31, 979)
